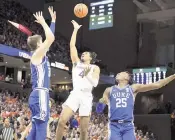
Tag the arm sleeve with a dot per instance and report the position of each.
(52, 27)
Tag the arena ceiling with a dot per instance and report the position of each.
(156, 10)
(161, 13)
(58, 76)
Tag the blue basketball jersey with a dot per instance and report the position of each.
(40, 74)
(121, 103)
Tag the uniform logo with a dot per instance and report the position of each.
(127, 89)
(43, 115)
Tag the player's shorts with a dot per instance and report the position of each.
(81, 100)
(121, 131)
(39, 104)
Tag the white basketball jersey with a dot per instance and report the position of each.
(80, 82)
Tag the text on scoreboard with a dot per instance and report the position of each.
(101, 14)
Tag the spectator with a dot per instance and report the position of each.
(16, 110)
(10, 36)
(8, 133)
(73, 122)
(7, 78)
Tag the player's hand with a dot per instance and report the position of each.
(87, 70)
(102, 100)
(76, 25)
(52, 13)
(39, 17)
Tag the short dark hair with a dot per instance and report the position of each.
(32, 41)
(93, 55)
(130, 81)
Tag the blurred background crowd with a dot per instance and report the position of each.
(14, 111)
(15, 115)
(14, 11)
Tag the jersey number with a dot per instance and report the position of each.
(82, 74)
(121, 102)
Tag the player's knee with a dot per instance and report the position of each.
(62, 122)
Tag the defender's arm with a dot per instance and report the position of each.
(153, 86)
(105, 97)
(40, 52)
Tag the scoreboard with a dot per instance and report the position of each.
(149, 75)
(101, 14)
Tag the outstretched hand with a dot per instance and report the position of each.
(102, 101)
(39, 17)
(52, 13)
(76, 25)
(87, 70)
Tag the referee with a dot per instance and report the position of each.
(8, 132)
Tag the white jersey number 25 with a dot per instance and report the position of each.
(121, 102)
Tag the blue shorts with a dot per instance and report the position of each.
(121, 131)
(39, 104)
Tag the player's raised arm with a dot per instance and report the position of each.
(73, 49)
(148, 87)
(94, 77)
(105, 97)
(40, 52)
(53, 16)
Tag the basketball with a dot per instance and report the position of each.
(81, 10)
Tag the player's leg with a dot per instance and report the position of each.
(39, 106)
(84, 113)
(44, 111)
(69, 107)
(64, 118)
(129, 132)
(84, 123)
(114, 132)
(32, 101)
(32, 133)
(41, 129)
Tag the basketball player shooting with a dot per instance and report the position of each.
(40, 76)
(85, 76)
(120, 99)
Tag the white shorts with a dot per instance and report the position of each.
(80, 100)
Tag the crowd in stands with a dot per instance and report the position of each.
(9, 79)
(14, 111)
(2, 77)
(10, 36)
(15, 115)
(6, 78)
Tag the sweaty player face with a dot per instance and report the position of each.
(122, 76)
(86, 57)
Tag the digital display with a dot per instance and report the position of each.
(59, 65)
(101, 14)
(149, 75)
